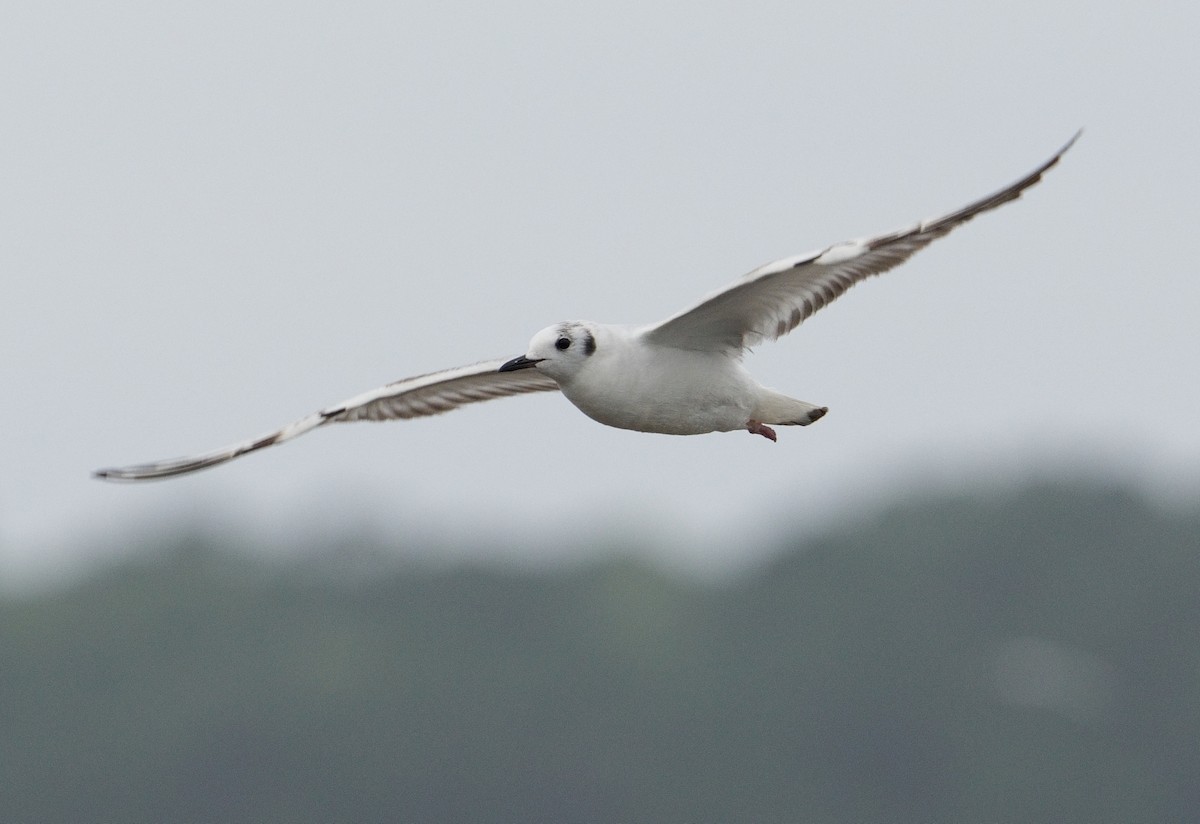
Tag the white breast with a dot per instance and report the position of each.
(630, 385)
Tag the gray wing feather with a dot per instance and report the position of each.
(414, 397)
(776, 298)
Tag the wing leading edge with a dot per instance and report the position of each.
(414, 397)
(775, 298)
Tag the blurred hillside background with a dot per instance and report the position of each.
(1030, 655)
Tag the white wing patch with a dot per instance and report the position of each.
(415, 397)
(840, 253)
(776, 298)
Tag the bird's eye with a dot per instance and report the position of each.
(562, 343)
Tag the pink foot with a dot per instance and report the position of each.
(759, 428)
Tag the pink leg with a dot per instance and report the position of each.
(760, 428)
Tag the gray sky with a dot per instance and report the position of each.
(219, 217)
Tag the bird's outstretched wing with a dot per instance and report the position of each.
(774, 299)
(416, 397)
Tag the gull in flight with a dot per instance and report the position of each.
(682, 376)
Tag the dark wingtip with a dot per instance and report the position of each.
(1058, 155)
(112, 476)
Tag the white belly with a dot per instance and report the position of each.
(675, 393)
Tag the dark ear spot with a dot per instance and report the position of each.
(589, 344)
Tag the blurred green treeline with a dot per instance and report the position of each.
(1029, 656)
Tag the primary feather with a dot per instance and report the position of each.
(776, 298)
(415, 397)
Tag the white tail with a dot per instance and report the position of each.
(782, 410)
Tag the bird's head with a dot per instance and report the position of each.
(560, 350)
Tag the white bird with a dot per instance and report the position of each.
(682, 376)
